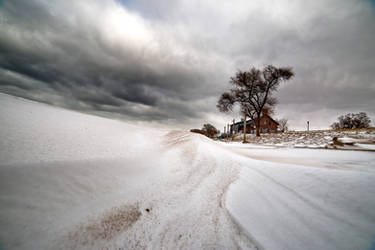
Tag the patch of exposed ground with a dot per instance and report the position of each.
(105, 228)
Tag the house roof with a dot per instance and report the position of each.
(271, 119)
(248, 122)
(241, 122)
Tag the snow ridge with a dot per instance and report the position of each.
(70, 180)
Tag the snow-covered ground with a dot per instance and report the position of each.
(356, 139)
(71, 180)
(305, 198)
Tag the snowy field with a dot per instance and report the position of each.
(75, 181)
(356, 139)
(305, 198)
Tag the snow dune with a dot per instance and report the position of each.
(70, 180)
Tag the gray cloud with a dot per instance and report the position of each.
(167, 63)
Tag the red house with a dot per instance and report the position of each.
(267, 125)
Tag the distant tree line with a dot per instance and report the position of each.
(349, 121)
(208, 130)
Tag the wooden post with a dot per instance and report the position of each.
(244, 129)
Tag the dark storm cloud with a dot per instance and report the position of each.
(168, 62)
(72, 58)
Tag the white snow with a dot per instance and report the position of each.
(366, 146)
(315, 139)
(246, 145)
(346, 140)
(71, 180)
(313, 199)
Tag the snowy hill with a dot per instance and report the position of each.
(71, 180)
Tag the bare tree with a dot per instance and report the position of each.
(283, 124)
(209, 130)
(335, 125)
(253, 91)
(246, 112)
(349, 121)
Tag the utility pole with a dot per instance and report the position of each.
(308, 126)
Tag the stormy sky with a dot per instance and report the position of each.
(165, 63)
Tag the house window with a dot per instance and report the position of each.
(265, 122)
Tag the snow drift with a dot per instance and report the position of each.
(313, 199)
(71, 180)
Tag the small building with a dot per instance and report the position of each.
(267, 125)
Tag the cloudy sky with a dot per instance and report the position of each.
(165, 63)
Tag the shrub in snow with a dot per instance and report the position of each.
(360, 120)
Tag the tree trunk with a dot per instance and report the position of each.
(244, 129)
(258, 125)
(232, 130)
